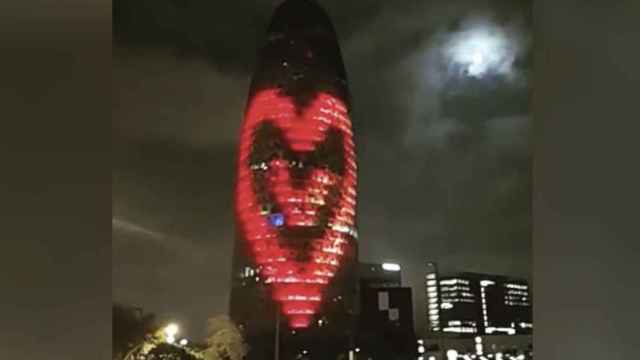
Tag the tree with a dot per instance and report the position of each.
(224, 340)
(166, 351)
(130, 325)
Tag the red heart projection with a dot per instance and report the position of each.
(296, 196)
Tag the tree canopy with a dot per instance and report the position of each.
(224, 340)
(129, 327)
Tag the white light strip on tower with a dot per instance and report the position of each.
(516, 286)
(449, 282)
(454, 282)
(479, 348)
(433, 313)
(460, 329)
(509, 331)
(483, 284)
(390, 267)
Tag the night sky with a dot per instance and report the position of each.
(442, 136)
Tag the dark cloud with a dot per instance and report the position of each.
(224, 33)
(444, 159)
(161, 98)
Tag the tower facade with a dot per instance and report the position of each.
(293, 285)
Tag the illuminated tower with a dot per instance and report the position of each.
(296, 252)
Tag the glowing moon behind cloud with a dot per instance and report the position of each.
(482, 48)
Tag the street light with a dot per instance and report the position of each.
(170, 332)
(171, 329)
(166, 334)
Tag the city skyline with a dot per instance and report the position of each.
(460, 173)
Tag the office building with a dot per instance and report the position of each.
(293, 289)
(385, 326)
(471, 304)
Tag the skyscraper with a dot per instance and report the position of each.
(295, 253)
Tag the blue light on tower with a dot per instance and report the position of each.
(276, 219)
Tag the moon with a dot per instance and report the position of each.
(482, 48)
